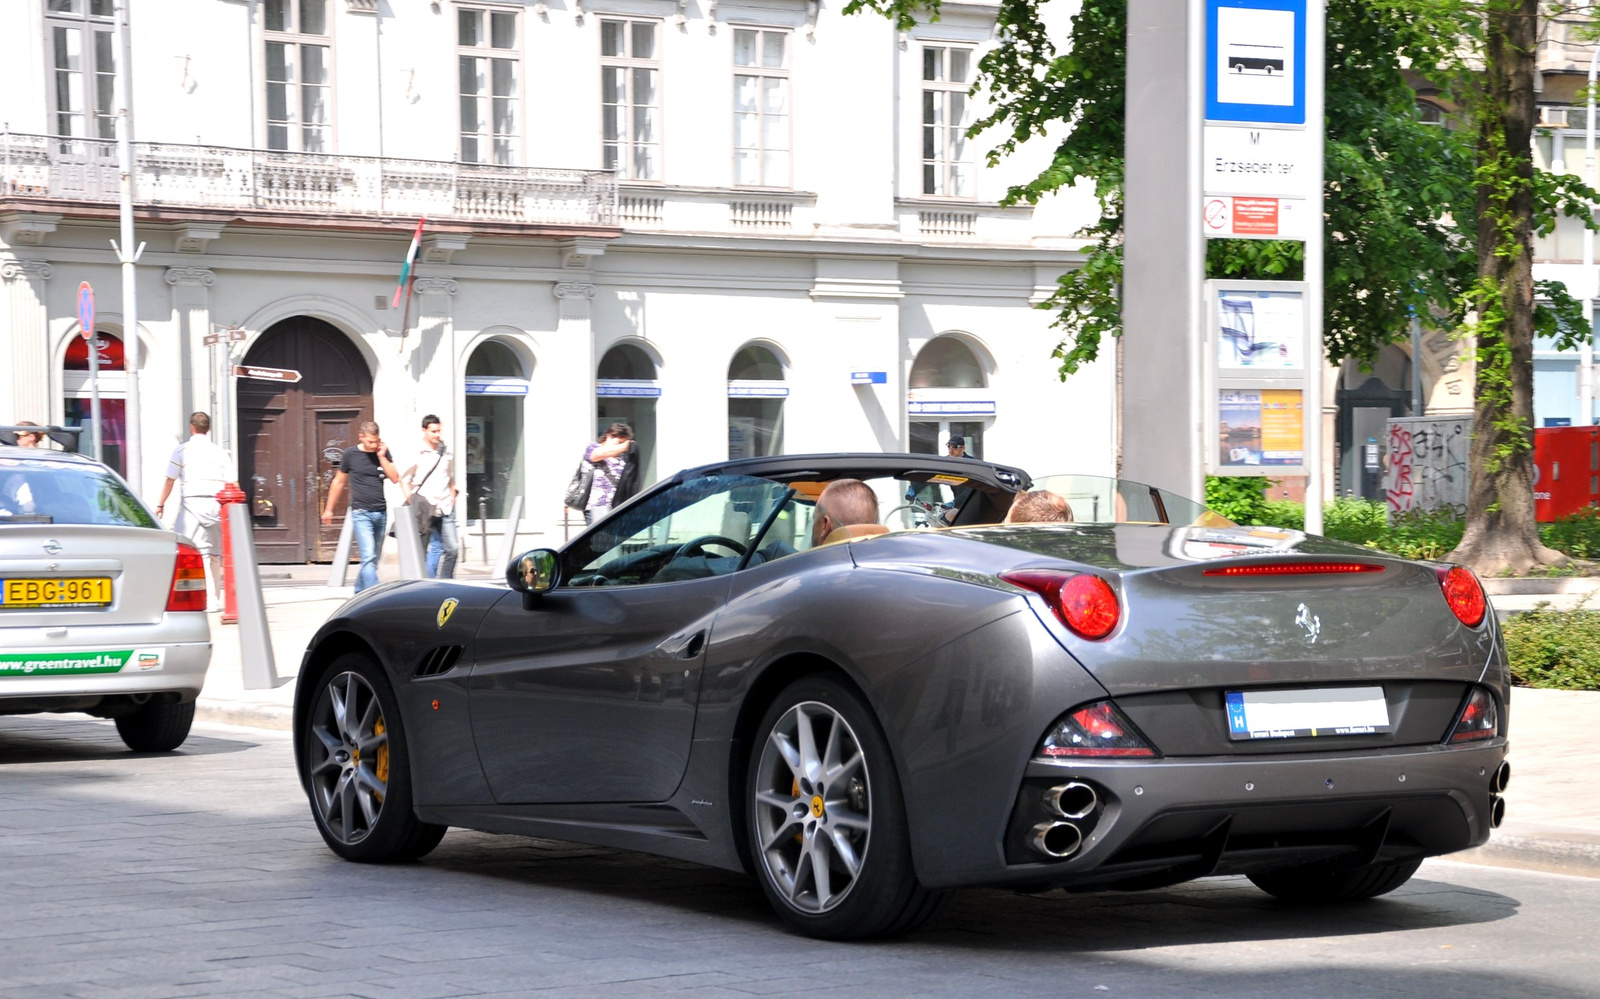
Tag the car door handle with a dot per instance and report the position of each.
(684, 647)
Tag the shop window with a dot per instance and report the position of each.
(756, 392)
(496, 392)
(78, 404)
(946, 399)
(946, 363)
(626, 392)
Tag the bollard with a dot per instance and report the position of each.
(259, 669)
(509, 542)
(483, 526)
(230, 496)
(340, 573)
(412, 565)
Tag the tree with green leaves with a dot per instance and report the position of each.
(1403, 203)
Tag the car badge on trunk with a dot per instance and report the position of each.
(446, 609)
(52, 547)
(1310, 622)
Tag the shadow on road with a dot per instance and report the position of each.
(76, 738)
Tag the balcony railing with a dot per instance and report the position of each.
(193, 176)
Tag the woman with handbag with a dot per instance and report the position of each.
(607, 476)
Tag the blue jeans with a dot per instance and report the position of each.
(443, 544)
(370, 525)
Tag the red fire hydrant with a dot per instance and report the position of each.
(231, 493)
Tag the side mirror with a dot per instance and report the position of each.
(534, 573)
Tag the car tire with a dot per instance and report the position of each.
(1317, 884)
(362, 807)
(157, 726)
(858, 819)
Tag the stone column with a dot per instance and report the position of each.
(197, 367)
(433, 353)
(567, 402)
(29, 384)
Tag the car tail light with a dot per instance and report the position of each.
(1291, 568)
(1479, 718)
(188, 591)
(1464, 594)
(1084, 602)
(1097, 729)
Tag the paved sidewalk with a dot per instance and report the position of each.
(1553, 803)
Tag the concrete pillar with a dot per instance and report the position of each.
(191, 321)
(29, 329)
(568, 403)
(432, 357)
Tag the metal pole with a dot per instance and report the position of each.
(483, 525)
(130, 308)
(1418, 407)
(94, 396)
(1316, 15)
(1586, 352)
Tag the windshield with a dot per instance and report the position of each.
(48, 491)
(1096, 499)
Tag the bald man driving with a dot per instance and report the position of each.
(847, 508)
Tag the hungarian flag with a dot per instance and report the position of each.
(411, 258)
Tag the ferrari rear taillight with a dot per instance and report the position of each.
(1082, 601)
(1464, 594)
(1479, 718)
(188, 592)
(1097, 729)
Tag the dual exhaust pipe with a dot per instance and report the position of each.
(1072, 802)
(1497, 786)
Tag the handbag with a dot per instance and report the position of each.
(421, 507)
(582, 481)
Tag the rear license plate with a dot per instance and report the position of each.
(34, 594)
(1306, 712)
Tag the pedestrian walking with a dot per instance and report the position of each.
(607, 476)
(364, 468)
(204, 467)
(430, 486)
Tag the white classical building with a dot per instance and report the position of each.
(743, 227)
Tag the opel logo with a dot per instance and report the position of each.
(52, 547)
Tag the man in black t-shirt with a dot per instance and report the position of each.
(365, 467)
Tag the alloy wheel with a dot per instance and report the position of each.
(349, 758)
(813, 807)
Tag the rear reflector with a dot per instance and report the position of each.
(1464, 594)
(1082, 601)
(188, 591)
(1479, 719)
(1292, 568)
(1097, 729)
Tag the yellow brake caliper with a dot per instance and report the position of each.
(382, 767)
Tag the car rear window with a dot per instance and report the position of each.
(42, 491)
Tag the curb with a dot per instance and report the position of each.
(1554, 856)
(1539, 585)
(279, 717)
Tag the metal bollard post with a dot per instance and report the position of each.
(509, 542)
(231, 495)
(255, 638)
(412, 565)
(483, 526)
(341, 554)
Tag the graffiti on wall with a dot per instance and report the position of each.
(1428, 464)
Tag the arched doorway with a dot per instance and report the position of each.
(756, 391)
(947, 394)
(292, 435)
(496, 390)
(626, 392)
(78, 403)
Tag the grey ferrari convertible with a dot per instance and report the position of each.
(869, 716)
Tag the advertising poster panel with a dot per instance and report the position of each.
(1259, 428)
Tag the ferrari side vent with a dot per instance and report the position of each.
(441, 659)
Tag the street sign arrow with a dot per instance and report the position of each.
(266, 374)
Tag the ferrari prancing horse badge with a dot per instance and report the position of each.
(446, 609)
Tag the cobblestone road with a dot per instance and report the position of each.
(200, 874)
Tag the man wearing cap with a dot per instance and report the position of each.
(956, 446)
(204, 467)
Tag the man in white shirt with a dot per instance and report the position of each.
(204, 468)
(433, 477)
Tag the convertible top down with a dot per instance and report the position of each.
(1145, 695)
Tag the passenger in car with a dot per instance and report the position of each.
(1041, 507)
(847, 508)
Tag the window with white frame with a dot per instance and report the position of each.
(486, 50)
(82, 68)
(299, 77)
(761, 107)
(946, 115)
(630, 98)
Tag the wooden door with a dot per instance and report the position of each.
(291, 435)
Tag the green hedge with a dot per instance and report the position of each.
(1558, 649)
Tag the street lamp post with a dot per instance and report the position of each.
(133, 450)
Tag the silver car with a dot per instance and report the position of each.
(101, 609)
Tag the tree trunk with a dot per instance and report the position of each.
(1501, 534)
